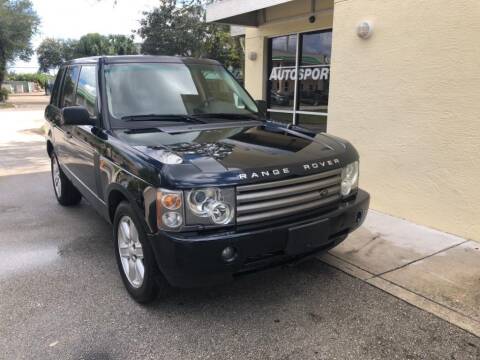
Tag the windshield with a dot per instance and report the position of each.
(174, 89)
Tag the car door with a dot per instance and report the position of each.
(53, 113)
(81, 143)
(66, 98)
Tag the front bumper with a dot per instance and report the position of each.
(188, 260)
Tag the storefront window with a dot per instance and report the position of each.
(301, 99)
(317, 122)
(283, 50)
(315, 67)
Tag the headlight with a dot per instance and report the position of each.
(169, 209)
(172, 219)
(349, 179)
(199, 200)
(210, 206)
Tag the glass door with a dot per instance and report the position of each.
(299, 75)
(281, 84)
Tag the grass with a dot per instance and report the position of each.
(6, 106)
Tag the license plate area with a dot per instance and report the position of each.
(307, 237)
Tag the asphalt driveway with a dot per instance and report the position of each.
(61, 296)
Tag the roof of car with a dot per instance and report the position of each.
(121, 59)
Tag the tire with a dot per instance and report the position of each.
(134, 253)
(65, 192)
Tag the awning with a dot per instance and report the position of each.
(236, 12)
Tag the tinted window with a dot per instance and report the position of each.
(162, 88)
(69, 84)
(56, 87)
(315, 122)
(281, 76)
(315, 71)
(87, 89)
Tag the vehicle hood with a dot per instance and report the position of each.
(237, 154)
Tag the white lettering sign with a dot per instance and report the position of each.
(307, 73)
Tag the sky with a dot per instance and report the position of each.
(74, 18)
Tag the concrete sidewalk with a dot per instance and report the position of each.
(435, 271)
(22, 144)
(29, 101)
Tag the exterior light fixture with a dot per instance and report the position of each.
(252, 55)
(364, 29)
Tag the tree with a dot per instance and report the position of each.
(38, 78)
(69, 49)
(53, 52)
(173, 30)
(122, 45)
(92, 44)
(18, 23)
(221, 46)
(178, 28)
(50, 54)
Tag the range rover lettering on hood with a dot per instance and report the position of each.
(303, 169)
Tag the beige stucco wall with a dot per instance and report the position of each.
(408, 98)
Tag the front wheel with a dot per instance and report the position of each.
(65, 192)
(134, 256)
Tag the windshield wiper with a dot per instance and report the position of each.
(230, 116)
(163, 117)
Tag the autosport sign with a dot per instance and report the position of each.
(304, 73)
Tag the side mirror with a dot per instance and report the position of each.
(262, 107)
(76, 115)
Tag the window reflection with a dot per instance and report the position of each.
(315, 71)
(313, 76)
(174, 88)
(282, 84)
(69, 86)
(315, 122)
(87, 89)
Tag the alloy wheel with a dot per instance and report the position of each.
(131, 252)
(57, 180)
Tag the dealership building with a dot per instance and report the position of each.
(399, 79)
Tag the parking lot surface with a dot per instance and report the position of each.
(61, 297)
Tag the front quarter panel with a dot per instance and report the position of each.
(122, 171)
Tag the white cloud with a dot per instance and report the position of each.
(74, 18)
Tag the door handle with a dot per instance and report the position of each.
(68, 134)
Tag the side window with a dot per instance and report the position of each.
(69, 85)
(87, 89)
(56, 87)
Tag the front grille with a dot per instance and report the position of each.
(278, 199)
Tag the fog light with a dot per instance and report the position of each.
(229, 254)
(359, 216)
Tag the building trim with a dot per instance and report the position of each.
(225, 10)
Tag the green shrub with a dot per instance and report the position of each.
(39, 78)
(4, 94)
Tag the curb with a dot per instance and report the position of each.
(421, 302)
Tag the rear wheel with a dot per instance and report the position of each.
(65, 191)
(134, 255)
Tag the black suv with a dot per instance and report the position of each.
(198, 184)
